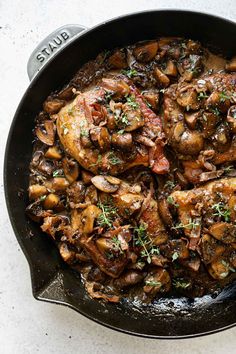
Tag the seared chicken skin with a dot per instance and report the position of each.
(109, 128)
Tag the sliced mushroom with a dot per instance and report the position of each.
(163, 207)
(86, 176)
(215, 100)
(53, 153)
(191, 119)
(161, 78)
(146, 52)
(231, 118)
(51, 201)
(119, 87)
(129, 278)
(188, 99)
(152, 97)
(218, 269)
(210, 249)
(171, 69)
(187, 141)
(102, 183)
(66, 94)
(223, 232)
(100, 137)
(57, 184)
(67, 255)
(128, 201)
(135, 119)
(36, 212)
(46, 133)
(53, 106)
(71, 169)
(88, 217)
(122, 141)
(118, 60)
(157, 281)
(36, 191)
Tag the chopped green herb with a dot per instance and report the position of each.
(228, 169)
(121, 131)
(132, 102)
(215, 111)
(108, 96)
(58, 173)
(181, 283)
(108, 215)
(169, 184)
(221, 211)
(224, 96)
(141, 239)
(113, 159)
(99, 160)
(117, 245)
(84, 132)
(171, 201)
(202, 95)
(175, 256)
(190, 226)
(130, 72)
(153, 283)
(42, 198)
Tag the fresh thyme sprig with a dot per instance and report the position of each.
(222, 211)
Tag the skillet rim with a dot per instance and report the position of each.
(5, 169)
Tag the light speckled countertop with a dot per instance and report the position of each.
(26, 325)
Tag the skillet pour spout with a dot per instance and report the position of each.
(52, 280)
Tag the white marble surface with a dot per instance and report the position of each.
(28, 326)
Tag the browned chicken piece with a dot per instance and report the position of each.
(210, 200)
(97, 130)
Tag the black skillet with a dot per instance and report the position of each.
(52, 280)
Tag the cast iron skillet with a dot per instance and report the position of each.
(52, 280)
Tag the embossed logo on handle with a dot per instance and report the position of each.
(50, 46)
(53, 45)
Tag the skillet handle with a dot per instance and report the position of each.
(51, 45)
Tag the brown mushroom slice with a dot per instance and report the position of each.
(57, 184)
(118, 60)
(112, 267)
(128, 203)
(161, 78)
(223, 232)
(231, 118)
(231, 65)
(100, 137)
(187, 141)
(102, 183)
(67, 255)
(88, 217)
(219, 269)
(209, 121)
(158, 281)
(152, 98)
(71, 169)
(53, 153)
(36, 191)
(209, 249)
(53, 106)
(191, 119)
(146, 52)
(66, 94)
(46, 133)
(164, 211)
(36, 212)
(122, 141)
(188, 99)
(51, 201)
(135, 119)
(207, 176)
(215, 100)
(86, 176)
(129, 278)
(119, 87)
(171, 69)
(104, 244)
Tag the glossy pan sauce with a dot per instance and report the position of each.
(133, 171)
